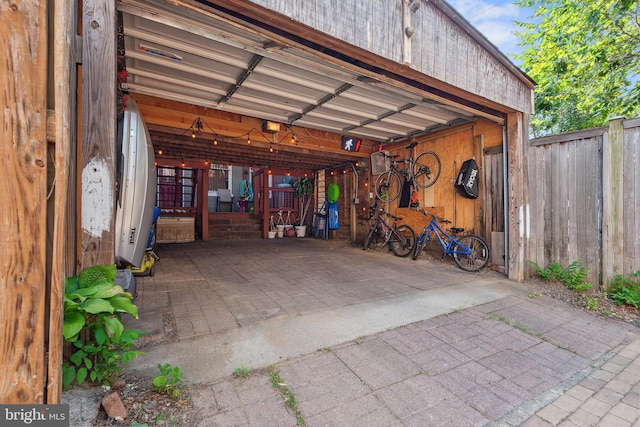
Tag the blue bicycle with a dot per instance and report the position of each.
(471, 253)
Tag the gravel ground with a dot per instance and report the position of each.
(593, 302)
(146, 407)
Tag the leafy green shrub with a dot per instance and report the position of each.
(94, 303)
(625, 290)
(551, 272)
(168, 380)
(573, 277)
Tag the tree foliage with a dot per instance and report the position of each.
(585, 57)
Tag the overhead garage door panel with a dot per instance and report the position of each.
(175, 52)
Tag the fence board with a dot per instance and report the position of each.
(631, 215)
(569, 188)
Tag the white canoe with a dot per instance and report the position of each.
(137, 190)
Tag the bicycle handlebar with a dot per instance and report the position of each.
(437, 218)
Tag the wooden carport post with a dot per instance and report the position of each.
(518, 196)
(98, 131)
(23, 201)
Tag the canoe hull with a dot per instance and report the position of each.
(137, 195)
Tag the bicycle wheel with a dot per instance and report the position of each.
(371, 236)
(478, 255)
(420, 244)
(388, 186)
(403, 240)
(426, 169)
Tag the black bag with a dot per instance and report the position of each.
(467, 182)
(405, 196)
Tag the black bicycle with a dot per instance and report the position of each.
(400, 238)
(471, 253)
(421, 172)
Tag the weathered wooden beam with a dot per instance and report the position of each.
(63, 125)
(518, 194)
(23, 66)
(98, 131)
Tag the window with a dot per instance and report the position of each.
(176, 189)
(219, 176)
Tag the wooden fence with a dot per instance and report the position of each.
(584, 201)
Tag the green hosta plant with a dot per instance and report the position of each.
(94, 303)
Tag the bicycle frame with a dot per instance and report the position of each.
(400, 238)
(385, 229)
(420, 172)
(447, 247)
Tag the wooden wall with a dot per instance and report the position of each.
(454, 146)
(584, 200)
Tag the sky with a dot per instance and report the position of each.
(494, 19)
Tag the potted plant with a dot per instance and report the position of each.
(303, 188)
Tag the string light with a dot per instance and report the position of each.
(198, 125)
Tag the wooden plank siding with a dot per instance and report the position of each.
(442, 47)
(23, 216)
(584, 202)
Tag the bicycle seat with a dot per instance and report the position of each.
(456, 230)
(413, 144)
